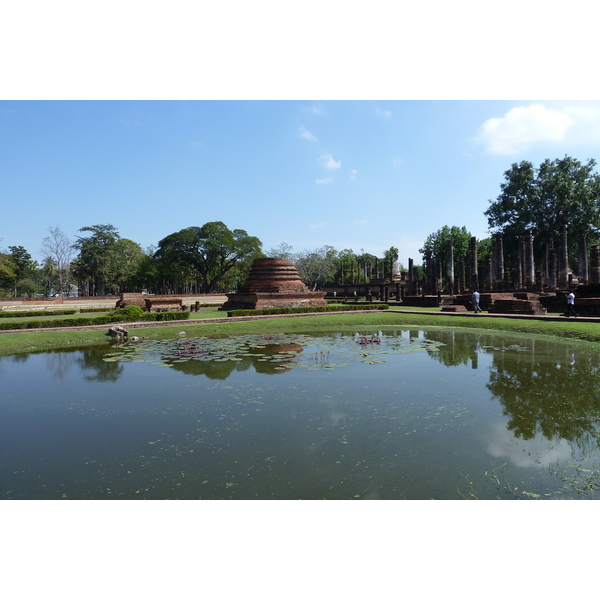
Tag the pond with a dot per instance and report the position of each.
(411, 414)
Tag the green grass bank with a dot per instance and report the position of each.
(23, 342)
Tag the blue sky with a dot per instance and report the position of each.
(366, 174)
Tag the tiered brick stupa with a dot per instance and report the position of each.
(273, 282)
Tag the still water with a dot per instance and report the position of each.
(408, 414)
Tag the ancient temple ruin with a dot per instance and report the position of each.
(517, 286)
(273, 282)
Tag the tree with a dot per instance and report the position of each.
(93, 262)
(146, 277)
(25, 272)
(437, 244)
(560, 192)
(124, 259)
(7, 273)
(283, 251)
(210, 253)
(318, 266)
(49, 275)
(58, 249)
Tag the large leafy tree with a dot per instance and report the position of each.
(26, 277)
(7, 273)
(124, 259)
(559, 192)
(210, 253)
(94, 263)
(437, 243)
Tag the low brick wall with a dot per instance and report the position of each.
(454, 308)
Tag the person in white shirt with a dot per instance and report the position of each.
(476, 301)
(571, 305)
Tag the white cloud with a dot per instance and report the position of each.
(384, 113)
(307, 135)
(522, 127)
(353, 175)
(315, 109)
(397, 162)
(319, 225)
(324, 181)
(586, 123)
(328, 162)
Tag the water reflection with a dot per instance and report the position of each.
(399, 417)
(543, 387)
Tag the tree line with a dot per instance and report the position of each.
(203, 260)
(211, 258)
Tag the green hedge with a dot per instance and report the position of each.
(85, 321)
(34, 313)
(290, 310)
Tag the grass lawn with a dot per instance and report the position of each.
(15, 343)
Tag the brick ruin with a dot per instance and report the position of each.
(273, 282)
(530, 289)
(151, 303)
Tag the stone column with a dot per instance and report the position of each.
(498, 277)
(461, 277)
(550, 263)
(529, 262)
(474, 277)
(552, 269)
(490, 284)
(594, 264)
(539, 282)
(583, 261)
(411, 275)
(518, 282)
(450, 268)
(563, 260)
(429, 273)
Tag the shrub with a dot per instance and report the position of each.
(129, 313)
(105, 320)
(9, 314)
(289, 310)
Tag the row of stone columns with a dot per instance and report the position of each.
(525, 275)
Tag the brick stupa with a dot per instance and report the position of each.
(273, 282)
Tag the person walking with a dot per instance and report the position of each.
(476, 301)
(571, 305)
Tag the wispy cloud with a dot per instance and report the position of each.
(315, 109)
(353, 175)
(384, 113)
(324, 181)
(522, 127)
(397, 162)
(319, 225)
(328, 162)
(307, 135)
